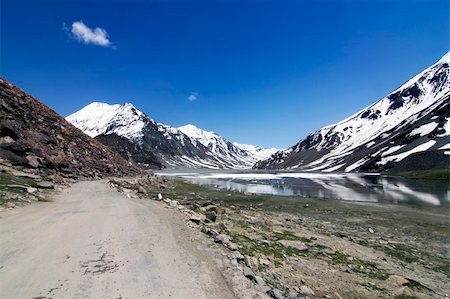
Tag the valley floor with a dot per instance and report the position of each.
(95, 241)
(91, 241)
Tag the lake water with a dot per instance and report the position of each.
(342, 186)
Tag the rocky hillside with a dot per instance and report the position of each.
(130, 151)
(36, 139)
(406, 130)
(186, 146)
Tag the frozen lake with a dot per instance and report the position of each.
(343, 186)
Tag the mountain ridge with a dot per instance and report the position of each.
(373, 138)
(184, 146)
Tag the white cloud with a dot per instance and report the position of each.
(84, 34)
(193, 96)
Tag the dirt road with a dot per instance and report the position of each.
(93, 242)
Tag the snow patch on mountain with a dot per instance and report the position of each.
(258, 152)
(237, 155)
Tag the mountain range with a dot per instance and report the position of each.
(186, 146)
(406, 130)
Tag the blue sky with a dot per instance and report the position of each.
(261, 72)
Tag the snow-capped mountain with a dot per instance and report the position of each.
(406, 130)
(236, 155)
(258, 152)
(186, 146)
(101, 118)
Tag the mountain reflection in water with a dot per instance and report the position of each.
(342, 186)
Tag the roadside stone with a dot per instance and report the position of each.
(237, 256)
(260, 281)
(294, 244)
(276, 294)
(211, 216)
(250, 261)
(31, 190)
(231, 246)
(263, 288)
(305, 290)
(196, 219)
(141, 190)
(248, 273)
(371, 230)
(216, 209)
(56, 178)
(173, 203)
(45, 185)
(221, 238)
(398, 280)
(11, 205)
(159, 197)
(32, 161)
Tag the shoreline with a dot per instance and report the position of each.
(369, 245)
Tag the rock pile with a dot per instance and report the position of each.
(36, 139)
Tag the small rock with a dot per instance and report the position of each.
(251, 261)
(398, 280)
(276, 294)
(231, 246)
(45, 185)
(260, 281)
(371, 230)
(294, 244)
(307, 205)
(221, 238)
(305, 290)
(292, 295)
(265, 262)
(248, 273)
(11, 205)
(32, 161)
(196, 219)
(56, 178)
(31, 190)
(211, 216)
(237, 255)
(216, 209)
(264, 242)
(263, 288)
(160, 197)
(173, 203)
(273, 222)
(6, 140)
(141, 190)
